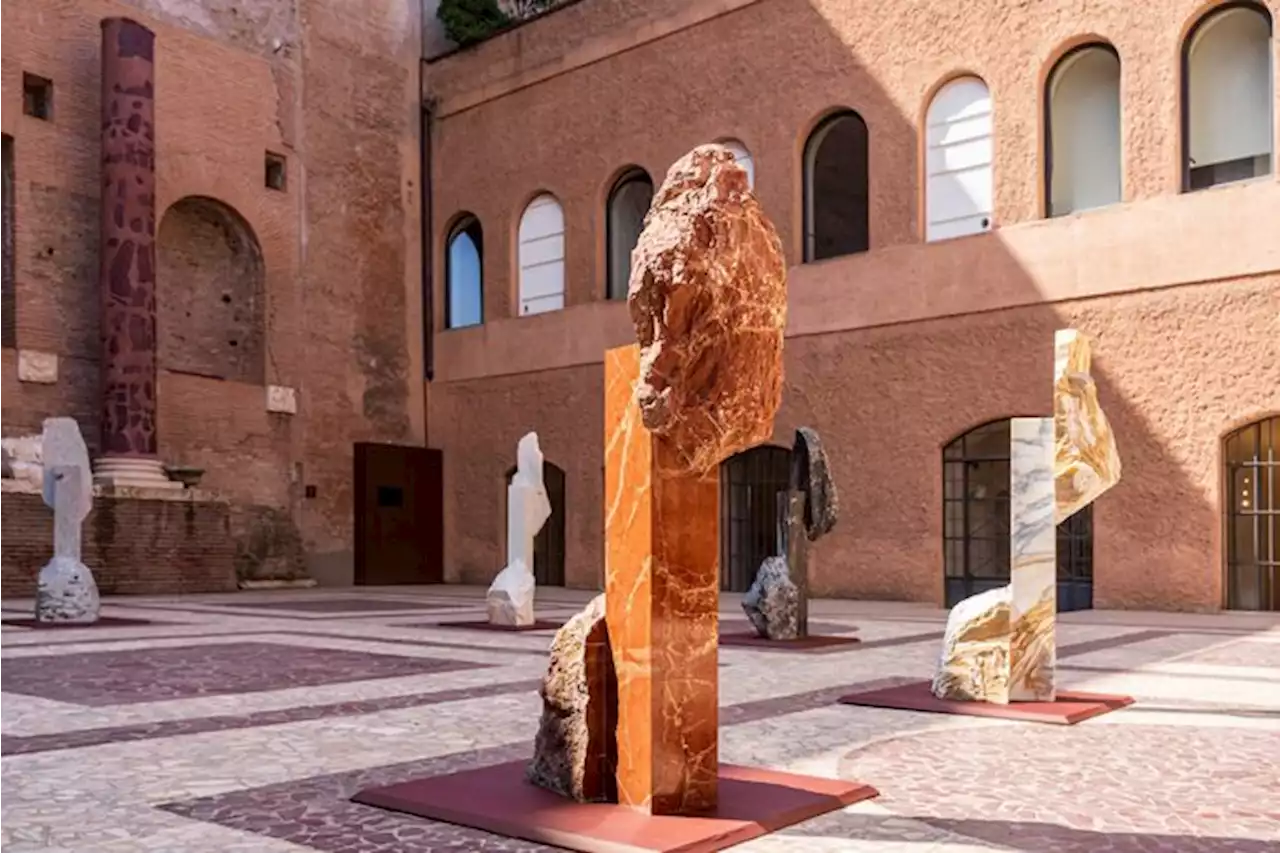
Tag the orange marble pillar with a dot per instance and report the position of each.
(662, 600)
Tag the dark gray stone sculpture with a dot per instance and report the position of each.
(778, 602)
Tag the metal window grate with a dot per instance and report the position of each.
(1253, 516)
(750, 485)
(975, 526)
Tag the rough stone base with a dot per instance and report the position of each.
(773, 601)
(67, 593)
(576, 750)
(974, 664)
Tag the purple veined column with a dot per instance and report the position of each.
(127, 274)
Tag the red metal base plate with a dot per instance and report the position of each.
(1069, 708)
(497, 799)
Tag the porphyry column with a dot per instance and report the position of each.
(127, 279)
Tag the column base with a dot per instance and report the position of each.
(132, 472)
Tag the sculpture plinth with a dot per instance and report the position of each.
(661, 592)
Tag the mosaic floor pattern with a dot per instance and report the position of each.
(233, 727)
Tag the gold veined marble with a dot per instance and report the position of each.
(1057, 469)
(1086, 460)
(975, 650)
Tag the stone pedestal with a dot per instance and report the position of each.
(128, 259)
(662, 595)
(115, 472)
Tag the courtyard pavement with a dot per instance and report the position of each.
(245, 722)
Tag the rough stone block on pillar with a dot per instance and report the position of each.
(662, 593)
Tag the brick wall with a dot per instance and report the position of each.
(134, 547)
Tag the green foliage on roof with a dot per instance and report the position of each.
(470, 21)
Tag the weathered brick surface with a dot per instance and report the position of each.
(138, 547)
(212, 325)
(332, 86)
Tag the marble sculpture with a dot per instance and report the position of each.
(778, 601)
(999, 646)
(510, 597)
(575, 753)
(708, 300)
(66, 591)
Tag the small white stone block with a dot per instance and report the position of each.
(38, 367)
(282, 399)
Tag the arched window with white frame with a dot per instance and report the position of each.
(541, 256)
(743, 156)
(958, 157)
(1227, 97)
(1083, 158)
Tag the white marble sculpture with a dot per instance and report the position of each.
(510, 597)
(66, 591)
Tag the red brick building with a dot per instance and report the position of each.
(287, 223)
(922, 303)
(952, 183)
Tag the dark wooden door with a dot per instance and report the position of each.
(548, 545)
(399, 514)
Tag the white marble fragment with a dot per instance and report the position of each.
(39, 368)
(22, 458)
(510, 598)
(66, 591)
(528, 508)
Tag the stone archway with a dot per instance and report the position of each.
(210, 293)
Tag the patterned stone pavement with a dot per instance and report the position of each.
(246, 722)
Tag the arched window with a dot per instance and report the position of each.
(743, 156)
(464, 274)
(835, 188)
(1252, 456)
(541, 255)
(975, 523)
(1082, 111)
(753, 494)
(628, 203)
(548, 545)
(1227, 123)
(958, 160)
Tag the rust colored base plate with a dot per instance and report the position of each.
(1069, 708)
(801, 644)
(103, 622)
(497, 799)
(484, 625)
